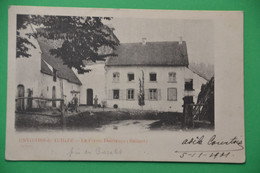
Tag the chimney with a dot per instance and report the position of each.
(144, 41)
(180, 41)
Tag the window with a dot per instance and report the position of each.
(116, 77)
(188, 84)
(54, 75)
(131, 77)
(115, 94)
(130, 94)
(153, 94)
(172, 77)
(172, 94)
(153, 77)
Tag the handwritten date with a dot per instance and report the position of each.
(213, 155)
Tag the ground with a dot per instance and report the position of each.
(88, 118)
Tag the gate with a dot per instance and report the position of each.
(201, 113)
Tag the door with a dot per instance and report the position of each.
(89, 97)
(20, 101)
(53, 96)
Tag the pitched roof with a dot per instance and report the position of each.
(150, 54)
(63, 71)
(45, 69)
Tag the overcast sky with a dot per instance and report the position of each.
(199, 34)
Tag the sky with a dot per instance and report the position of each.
(198, 34)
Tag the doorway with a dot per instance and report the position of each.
(20, 101)
(90, 97)
(53, 96)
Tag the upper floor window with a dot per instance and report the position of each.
(188, 84)
(116, 76)
(153, 77)
(54, 75)
(130, 77)
(172, 77)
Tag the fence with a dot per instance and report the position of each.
(30, 103)
(201, 113)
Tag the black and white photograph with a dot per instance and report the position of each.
(124, 83)
(104, 73)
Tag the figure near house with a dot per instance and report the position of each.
(95, 101)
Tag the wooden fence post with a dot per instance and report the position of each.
(63, 118)
(187, 111)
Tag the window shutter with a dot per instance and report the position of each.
(159, 94)
(146, 94)
(110, 94)
(136, 94)
(172, 94)
(122, 94)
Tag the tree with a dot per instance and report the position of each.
(22, 43)
(82, 38)
(141, 91)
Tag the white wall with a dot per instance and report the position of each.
(95, 80)
(28, 69)
(162, 83)
(46, 84)
(68, 87)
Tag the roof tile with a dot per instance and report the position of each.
(63, 71)
(150, 54)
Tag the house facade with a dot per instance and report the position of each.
(158, 70)
(43, 76)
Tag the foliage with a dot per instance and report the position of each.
(141, 91)
(22, 43)
(83, 38)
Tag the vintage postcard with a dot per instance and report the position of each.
(125, 85)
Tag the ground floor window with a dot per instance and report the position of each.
(153, 94)
(116, 94)
(130, 94)
(172, 94)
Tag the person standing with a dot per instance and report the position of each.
(75, 102)
(95, 101)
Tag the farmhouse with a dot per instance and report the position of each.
(156, 71)
(145, 75)
(43, 76)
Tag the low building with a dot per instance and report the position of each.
(43, 76)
